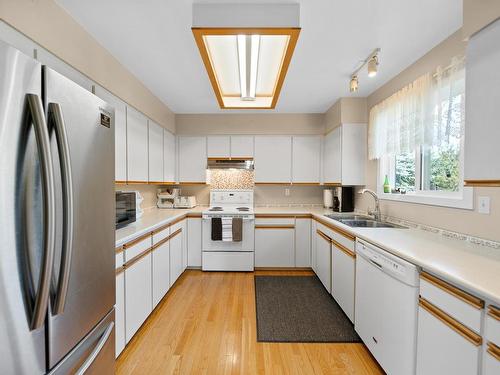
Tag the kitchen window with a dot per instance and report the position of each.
(417, 137)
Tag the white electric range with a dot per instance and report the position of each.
(224, 255)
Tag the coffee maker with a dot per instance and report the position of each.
(343, 199)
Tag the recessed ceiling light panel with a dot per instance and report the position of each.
(246, 66)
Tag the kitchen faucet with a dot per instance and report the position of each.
(376, 212)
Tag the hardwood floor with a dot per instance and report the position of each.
(206, 325)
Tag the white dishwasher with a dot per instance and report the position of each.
(386, 308)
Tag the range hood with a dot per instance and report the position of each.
(214, 163)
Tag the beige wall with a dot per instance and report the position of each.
(478, 14)
(50, 26)
(308, 123)
(464, 221)
(346, 111)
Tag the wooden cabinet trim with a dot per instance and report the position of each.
(484, 183)
(335, 184)
(342, 232)
(137, 240)
(119, 270)
(454, 324)
(194, 214)
(493, 350)
(453, 290)
(344, 249)
(175, 233)
(137, 258)
(136, 182)
(494, 312)
(273, 183)
(161, 229)
(193, 183)
(270, 226)
(274, 216)
(178, 220)
(159, 243)
(120, 182)
(324, 236)
(119, 249)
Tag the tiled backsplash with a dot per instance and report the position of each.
(230, 179)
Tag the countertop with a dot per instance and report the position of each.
(474, 267)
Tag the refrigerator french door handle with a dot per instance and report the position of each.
(43, 144)
(91, 358)
(55, 114)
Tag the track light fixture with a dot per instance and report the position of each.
(353, 86)
(371, 63)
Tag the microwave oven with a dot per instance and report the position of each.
(126, 212)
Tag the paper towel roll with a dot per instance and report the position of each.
(328, 198)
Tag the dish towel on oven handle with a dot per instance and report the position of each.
(227, 229)
(237, 229)
(216, 229)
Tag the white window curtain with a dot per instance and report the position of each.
(422, 113)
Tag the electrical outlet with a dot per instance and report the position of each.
(483, 205)
(287, 192)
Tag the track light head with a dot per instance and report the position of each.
(373, 66)
(353, 85)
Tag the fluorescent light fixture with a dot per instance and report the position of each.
(246, 66)
(254, 61)
(372, 66)
(242, 64)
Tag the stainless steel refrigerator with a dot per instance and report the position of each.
(57, 281)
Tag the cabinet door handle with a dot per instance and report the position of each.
(494, 351)
(324, 236)
(454, 324)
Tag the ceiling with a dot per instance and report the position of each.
(153, 40)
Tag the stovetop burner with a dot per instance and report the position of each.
(216, 209)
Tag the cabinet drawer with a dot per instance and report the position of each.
(137, 246)
(274, 221)
(462, 306)
(491, 360)
(119, 257)
(161, 233)
(443, 345)
(492, 329)
(176, 226)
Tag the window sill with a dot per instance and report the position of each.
(465, 201)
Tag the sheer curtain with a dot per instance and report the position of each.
(425, 112)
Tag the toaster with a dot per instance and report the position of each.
(185, 201)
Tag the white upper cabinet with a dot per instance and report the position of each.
(169, 158)
(273, 159)
(155, 144)
(306, 159)
(332, 163)
(354, 153)
(53, 62)
(137, 146)
(192, 159)
(218, 146)
(482, 125)
(120, 132)
(242, 146)
(345, 154)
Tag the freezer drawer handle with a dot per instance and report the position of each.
(91, 358)
(43, 143)
(56, 117)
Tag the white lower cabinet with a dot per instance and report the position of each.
(161, 271)
(323, 258)
(184, 244)
(138, 294)
(313, 245)
(175, 255)
(491, 354)
(120, 314)
(194, 242)
(302, 242)
(343, 278)
(274, 245)
(442, 350)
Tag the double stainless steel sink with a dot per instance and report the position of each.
(362, 221)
